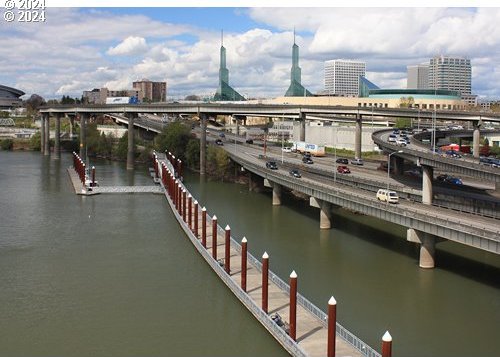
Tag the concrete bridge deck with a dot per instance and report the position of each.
(312, 329)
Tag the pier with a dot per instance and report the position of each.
(304, 329)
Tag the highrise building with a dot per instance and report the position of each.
(418, 76)
(451, 73)
(296, 89)
(225, 92)
(342, 77)
(151, 91)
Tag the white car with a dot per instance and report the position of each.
(401, 141)
(286, 149)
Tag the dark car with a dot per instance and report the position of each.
(222, 135)
(453, 153)
(449, 179)
(307, 160)
(342, 161)
(295, 173)
(272, 165)
(219, 142)
(249, 141)
(343, 170)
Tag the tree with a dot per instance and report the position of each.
(33, 103)
(406, 102)
(120, 151)
(193, 153)
(217, 161)
(174, 138)
(192, 97)
(36, 141)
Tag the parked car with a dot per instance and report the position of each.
(342, 161)
(357, 162)
(249, 141)
(272, 165)
(295, 173)
(343, 169)
(287, 149)
(307, 160)
(219, 142)
(387, 196)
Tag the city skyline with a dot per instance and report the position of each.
(112, 47)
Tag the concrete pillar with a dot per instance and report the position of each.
(227, 250)
(93, 176)
(244, 251)
(332, 326)
(214, 237)
(325, 215)
(357, 138)
(265, 282)
(57, 141)
(130, 149)
(42, 133)
(83, 135)
(203, 144)
(427, 177)
(46, 144)
(302, 135)
(387, 345)
(475, 140)
(276, 194)
(427, 247)
(293, 306)
(397, 165)
(71, 125)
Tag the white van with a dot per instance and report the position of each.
(387, 196)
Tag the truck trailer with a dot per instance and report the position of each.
(313, 149)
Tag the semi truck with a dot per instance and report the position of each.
(313, 149)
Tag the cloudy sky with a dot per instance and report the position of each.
(79, 49)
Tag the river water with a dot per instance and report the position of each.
(114, 275)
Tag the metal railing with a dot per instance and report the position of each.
(280, 334)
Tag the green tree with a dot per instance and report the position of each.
(4, 114)
(402, 123)
(120, 151)
(7, 144)
(35, 141)
(218, 162)
(193, 153)
(104, 145)
(174, 138)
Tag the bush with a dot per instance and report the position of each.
(6, 144)
(36, 141)
(174, 138)
(193, 154)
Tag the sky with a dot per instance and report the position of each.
(79, 49)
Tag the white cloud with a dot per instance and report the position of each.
(130, 46)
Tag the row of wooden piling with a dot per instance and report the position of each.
(187, 206)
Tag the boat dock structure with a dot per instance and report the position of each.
(297, 324)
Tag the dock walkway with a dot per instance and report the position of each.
(311, 332)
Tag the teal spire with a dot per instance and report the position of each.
(296, 89)
(225, 91)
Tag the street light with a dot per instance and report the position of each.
(282, 139)
(389, 169)
(335, 155)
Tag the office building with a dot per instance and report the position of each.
(450, 73)
(151, 91)
(342, 77)
(418, 76)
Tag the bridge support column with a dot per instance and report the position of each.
(427, 246)
(83, 135)
(42, 133)
(427, 176)
(57, 141)
(46, 143)
(325, 212)
(476, 138)
(302, 134)
(276, 194)
(397, 164)
(357, 138)
(71, 125)
(130, 148)
(203, 144)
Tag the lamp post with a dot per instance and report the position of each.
(282, 137)
(389, 169)
(335, 155)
